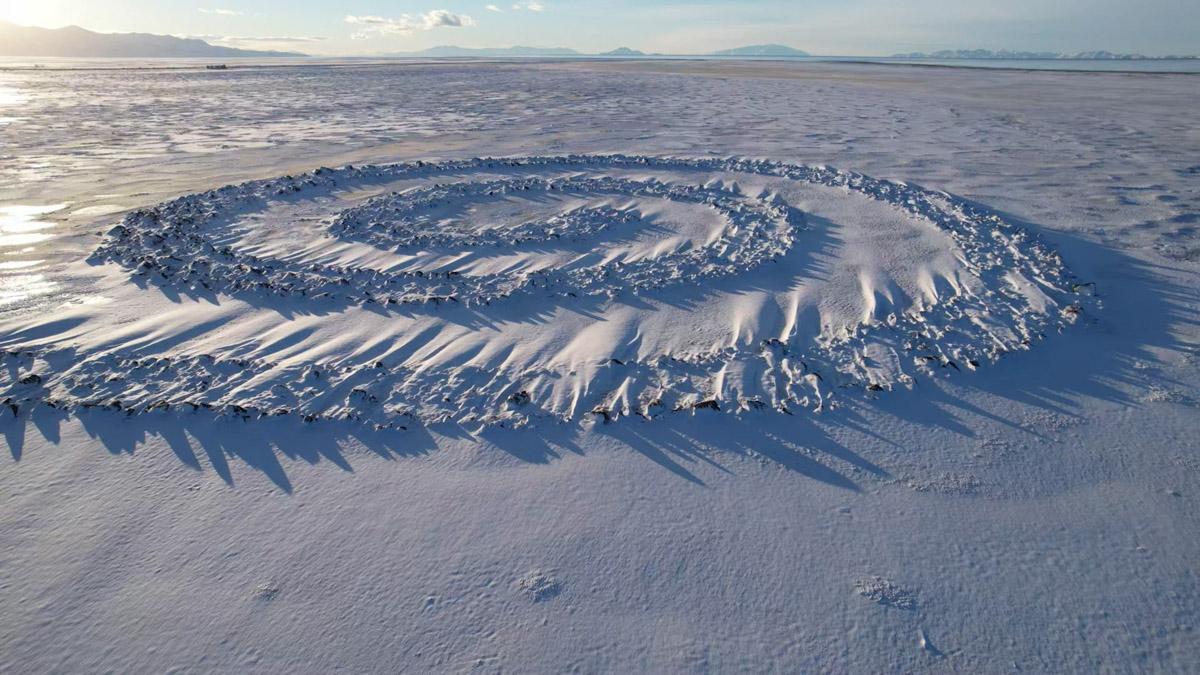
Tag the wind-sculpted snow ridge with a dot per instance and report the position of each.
(1009, 292)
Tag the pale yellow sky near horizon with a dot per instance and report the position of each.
(850, 27)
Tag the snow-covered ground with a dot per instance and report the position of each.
(623, 366)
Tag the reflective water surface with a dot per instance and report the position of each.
(21, 227)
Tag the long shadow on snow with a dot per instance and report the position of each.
(258, 444)
(1143, 312)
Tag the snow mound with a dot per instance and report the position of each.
(502, 291)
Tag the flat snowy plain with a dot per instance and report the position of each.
(727, 367)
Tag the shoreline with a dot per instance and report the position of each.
(240, 63)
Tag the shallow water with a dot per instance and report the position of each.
(24, 234)
(1154, 65)
(1191, 66)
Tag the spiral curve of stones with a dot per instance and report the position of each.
(393, 220)
(167, 245)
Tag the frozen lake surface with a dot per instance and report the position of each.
(720, 366)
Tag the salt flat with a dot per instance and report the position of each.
(604, 366)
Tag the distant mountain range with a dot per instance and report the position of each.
(446, 51)
(761, 50)
(1006, 54)
(74, 41)
(622, 51)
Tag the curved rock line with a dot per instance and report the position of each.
(391, 220)
(168, 245)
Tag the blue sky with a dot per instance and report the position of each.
(843, 27)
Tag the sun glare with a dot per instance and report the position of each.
(32, 13)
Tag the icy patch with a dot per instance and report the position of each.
(501, 291)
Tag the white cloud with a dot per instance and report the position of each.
(406, 24)
(440, 17)
(221, 12)
(529, 6)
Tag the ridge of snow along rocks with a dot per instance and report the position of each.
(1021, 292)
